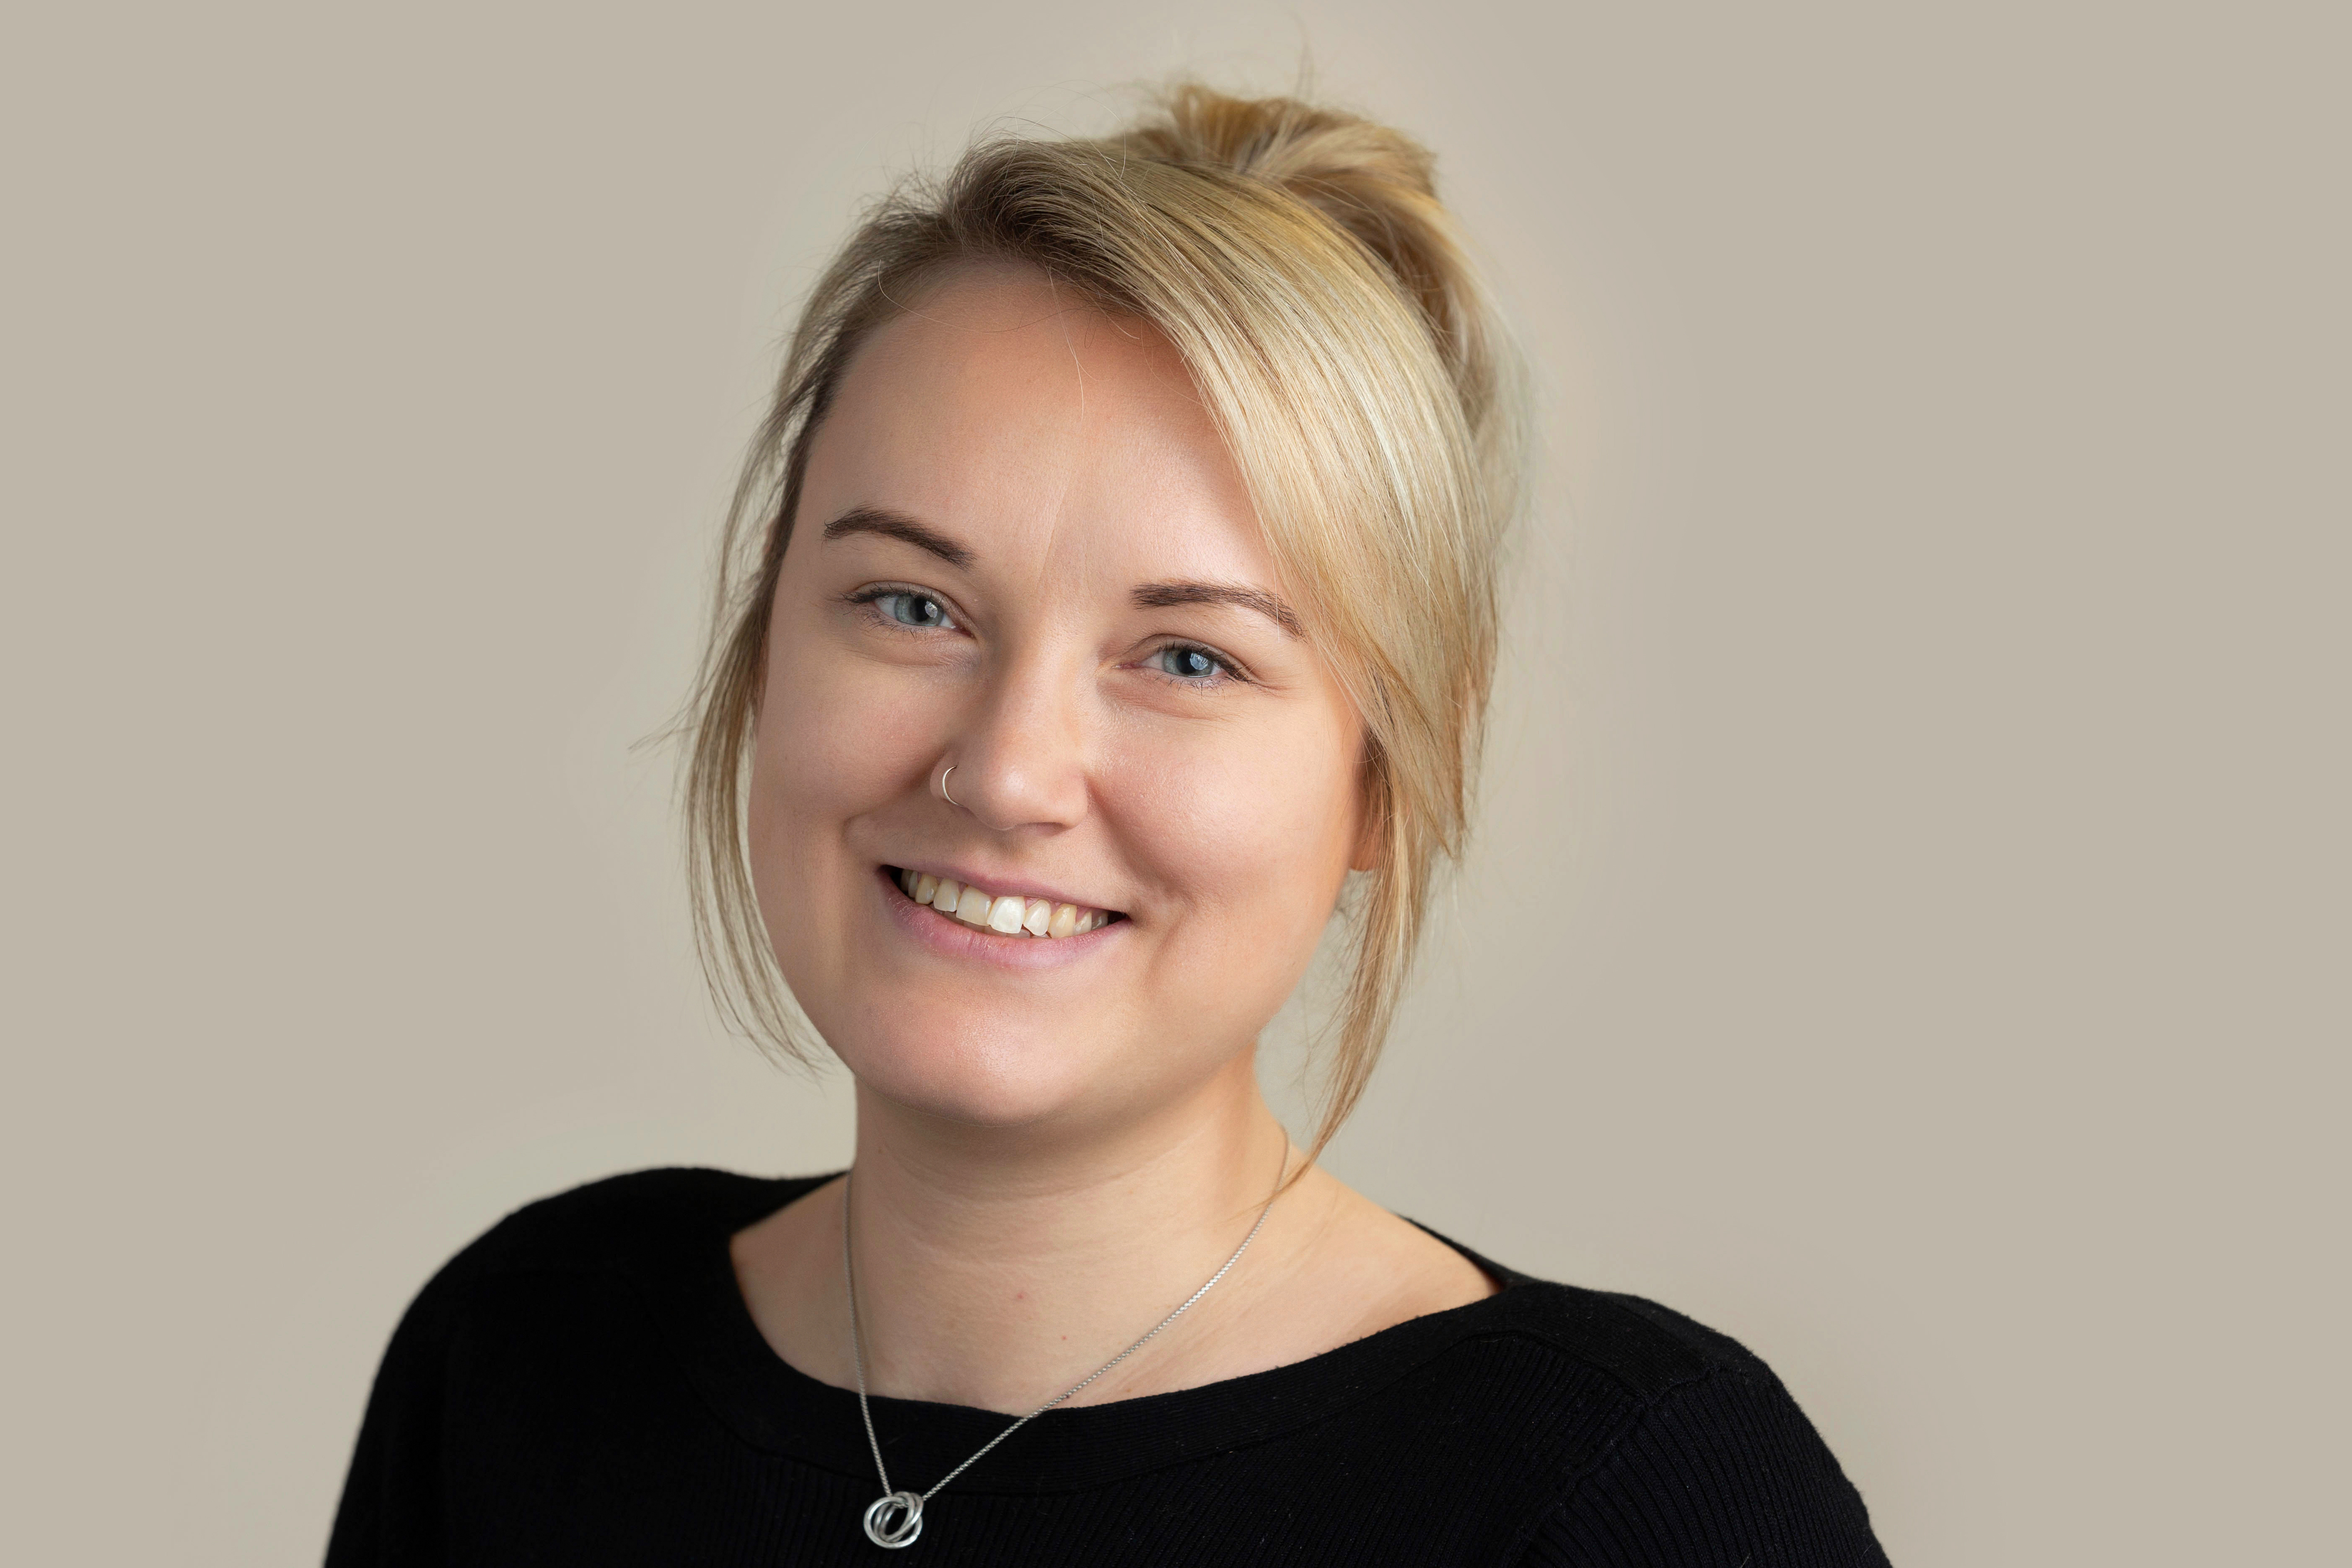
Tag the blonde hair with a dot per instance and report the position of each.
(1323, 300)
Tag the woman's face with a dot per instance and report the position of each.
(1022, 551)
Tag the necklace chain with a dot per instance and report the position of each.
(896, 1519)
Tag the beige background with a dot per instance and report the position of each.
(1909, 931)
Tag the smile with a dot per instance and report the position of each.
(1007, 914)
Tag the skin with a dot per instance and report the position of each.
(1057, 1141)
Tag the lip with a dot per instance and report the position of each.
(950, 938)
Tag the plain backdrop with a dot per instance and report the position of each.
(1909, 925)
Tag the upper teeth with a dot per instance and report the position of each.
(1010, 913)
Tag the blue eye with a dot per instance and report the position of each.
(912, 610)
(1190, 663)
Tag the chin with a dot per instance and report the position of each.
(1004, 1077)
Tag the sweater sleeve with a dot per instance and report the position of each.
(1721, 1472)
(391, 1509)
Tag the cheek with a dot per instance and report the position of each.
(835, 742)
(825, 737)
(1251, 841)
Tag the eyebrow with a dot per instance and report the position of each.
(898, 525)
(1157, 596)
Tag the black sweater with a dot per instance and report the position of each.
(584, 1385)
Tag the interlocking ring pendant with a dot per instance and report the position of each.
(895, 1518)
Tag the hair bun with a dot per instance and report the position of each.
(1373, 182)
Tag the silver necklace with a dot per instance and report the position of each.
(896, 1518)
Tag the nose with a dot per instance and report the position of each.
(1019, 757)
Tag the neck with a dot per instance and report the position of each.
(996, 1268)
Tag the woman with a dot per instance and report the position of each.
(1110, 599)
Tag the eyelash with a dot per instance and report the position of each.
(1227, 668)
(867, 597)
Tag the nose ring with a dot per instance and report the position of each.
(943, 788)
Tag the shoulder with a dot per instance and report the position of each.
(620, 1218)
(548, 1307)
(577, 1269)
(1670, 1439)
(1646, 1349)
(1640, 1349)
(643, 1223)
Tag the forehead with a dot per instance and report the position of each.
(1036, 428)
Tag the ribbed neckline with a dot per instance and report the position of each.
(775, 1406)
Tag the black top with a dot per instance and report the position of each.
(584, 1385)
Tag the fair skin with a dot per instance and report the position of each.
(1022, 551)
